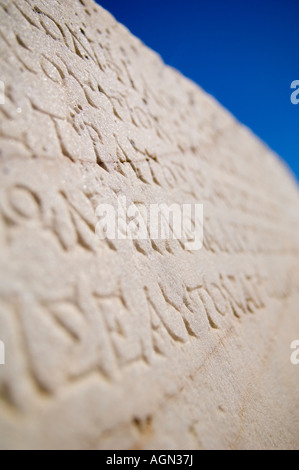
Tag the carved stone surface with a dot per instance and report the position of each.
(125, 343)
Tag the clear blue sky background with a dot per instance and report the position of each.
(245, 53)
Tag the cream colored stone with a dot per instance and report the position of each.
(127, 344)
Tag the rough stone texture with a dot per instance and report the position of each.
(129, 344)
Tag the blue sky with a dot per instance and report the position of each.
(245, 53)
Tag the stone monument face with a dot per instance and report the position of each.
(172, 331)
